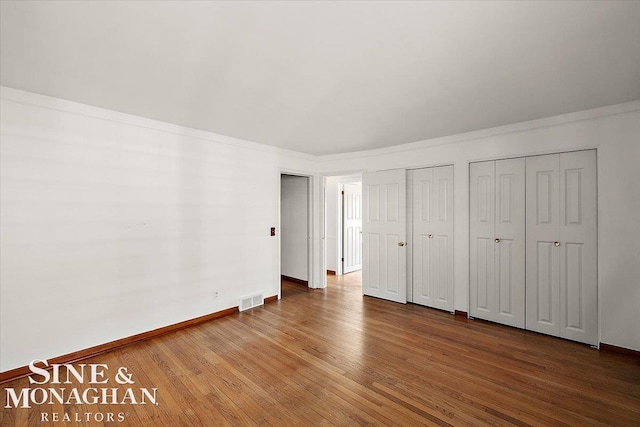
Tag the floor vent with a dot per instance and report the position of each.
(251, 301)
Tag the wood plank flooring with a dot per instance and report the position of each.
(332, 357)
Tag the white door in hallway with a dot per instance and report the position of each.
(352, 227)
(562, 245)
(384, 235)
(432, 237)
(497, 241)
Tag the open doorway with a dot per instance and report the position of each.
(343, 230)
(351, 200)
(294, 229)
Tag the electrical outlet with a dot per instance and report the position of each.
(216, 294)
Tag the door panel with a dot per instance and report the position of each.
(372, 250)
(432, 234)
(352, 227)
(422, 284)
(383, 230)
(543, 272)
(373, 203)
(481, 232)
(392, 193)
(575, 286)
(392, 264)
(422, 225)
(484, 256)
(443, 195)
(443, 237)
(509, 247)
(578, 247)
(504, 256)
(547, 285)
(440, 268)
(426, 179)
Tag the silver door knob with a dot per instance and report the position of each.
(401, 243)
(556, 244)
(497, 240)
(431, 236)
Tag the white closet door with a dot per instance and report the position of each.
(432, 239)
(509, 242)
(543, 262)
(578, 247)
(482, 303)
(384, 262)
(562, 246)
(497, 227)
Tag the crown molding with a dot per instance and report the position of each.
(595, 113)
(43, 101)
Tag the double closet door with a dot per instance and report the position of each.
(533, 253)
(408, 236)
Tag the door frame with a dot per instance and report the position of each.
(350, 176)
(341, 224)
(310, 195)
(323, 216)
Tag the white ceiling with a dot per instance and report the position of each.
(327, 77)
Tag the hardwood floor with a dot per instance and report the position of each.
(332, 357)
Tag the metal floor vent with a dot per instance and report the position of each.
(251, 301)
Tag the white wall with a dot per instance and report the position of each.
(114, 225)
(294, 226)
(614, 131)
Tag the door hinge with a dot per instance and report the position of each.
(342, 260)
(342, 192)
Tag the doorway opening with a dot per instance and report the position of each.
(343, 231)
(295, 230)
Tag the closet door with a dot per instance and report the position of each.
(432, 238)
(482, 302)
(561, 245)
(497, 231)
(384, 262)
(509, 242)
(543, 262)
(578, 247)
